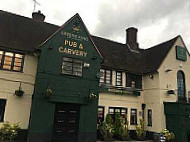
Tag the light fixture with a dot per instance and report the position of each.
(151, 76)
(92, 96)
(86, 65)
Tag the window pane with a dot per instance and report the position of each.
(133, 116)
(108, 77)
(102, 72)
(120, 110)
(16, 68)
(72, 66)
(9, 54)
(7, 67)
(100, 114)
(118, 78)
(11, 61)
(149, 117)
(2, 109)
(18, 55)
(181, 84)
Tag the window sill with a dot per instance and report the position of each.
(11, 70)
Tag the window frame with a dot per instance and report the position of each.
(120, 112)
(116, 80)
(149, 117)
(105, 78)
(183, 96)
(102, 118)
(131, 122)
(82, 63)
(2, 111)
(133, 77)
(12, 65)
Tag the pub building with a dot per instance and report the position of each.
(70, 79)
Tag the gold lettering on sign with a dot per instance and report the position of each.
(71, 43)
(72, 51)
(80, 46)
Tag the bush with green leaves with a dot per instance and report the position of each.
(140, 130)
(9, 131)
(168, 135)
(106, 128)
(126, 129)
(118, 126)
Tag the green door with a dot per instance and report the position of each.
(178, 120)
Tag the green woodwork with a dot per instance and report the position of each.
(178, 120)
(121, 91)
(71, 40)
(181, 53)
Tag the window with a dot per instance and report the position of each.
(133, 80)
(2, 109)
(133, 117)
(149, 117)
(100, 114)
(72, 66)
(106, 76)
(118, 78)
(181, 85)
(11, 61)
(122, 111)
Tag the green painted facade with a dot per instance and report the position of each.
(72, 40)
(178, 120)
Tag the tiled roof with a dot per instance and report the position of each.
(22, 33)
(154, 56)
(119, 56)
(25, 34)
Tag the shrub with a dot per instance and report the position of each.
(168, 135)
(9, 131)
(140, 131)
(118, 126)
(125, 129)
(106, 128)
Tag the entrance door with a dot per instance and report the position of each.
(66, 123)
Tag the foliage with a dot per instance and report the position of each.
(48, 93)
(125, 128)
(106, 128)
(9, 131)
(140, 131)
(118, 126)
(168, 135)
(19, 91)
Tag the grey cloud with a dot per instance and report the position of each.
(113, 19)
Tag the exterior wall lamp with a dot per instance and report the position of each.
(86, 65)
(92, 96)
(151, 76)
(48, 93)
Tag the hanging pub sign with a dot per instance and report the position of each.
(74, 40)
(181, 53)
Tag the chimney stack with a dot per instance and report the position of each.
(131, 38)
(38, 16)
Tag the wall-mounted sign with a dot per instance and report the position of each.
(73, 48)
(181, 53)
(74, 40)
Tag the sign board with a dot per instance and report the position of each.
(181, 53)
(75, 39)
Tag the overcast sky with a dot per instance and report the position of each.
(156, 20)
